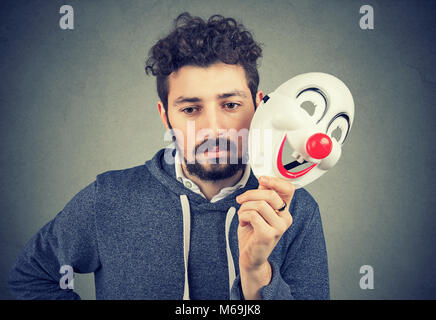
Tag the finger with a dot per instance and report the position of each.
(262, 187)
(255, 220)
(284, 188)
(264, 209)
(270, 196)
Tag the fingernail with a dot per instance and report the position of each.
(263, 179)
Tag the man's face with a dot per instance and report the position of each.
(210, 110)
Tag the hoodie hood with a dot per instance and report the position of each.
(162, 167)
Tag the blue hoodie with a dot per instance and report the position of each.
(146, 236)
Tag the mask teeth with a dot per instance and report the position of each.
(298, 156)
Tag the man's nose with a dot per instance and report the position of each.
(212, 123)
(208, 125)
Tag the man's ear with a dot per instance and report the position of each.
(162, 114)
(259, 97)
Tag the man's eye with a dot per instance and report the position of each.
(189, 110)
(232, 105)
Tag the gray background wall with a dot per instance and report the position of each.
(75, 103)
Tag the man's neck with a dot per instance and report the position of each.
(211, 188)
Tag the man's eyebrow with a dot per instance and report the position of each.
(235, 93)
(183, 99)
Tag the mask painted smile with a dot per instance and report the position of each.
(283, 168)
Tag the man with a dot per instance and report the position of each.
(193, 222)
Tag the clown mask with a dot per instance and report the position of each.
(297, 131)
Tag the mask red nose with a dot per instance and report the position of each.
(319, 146)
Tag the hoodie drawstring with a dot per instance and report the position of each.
(186, 239)
(230, 264)
(186, 243)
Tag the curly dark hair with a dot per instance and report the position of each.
(194, 41)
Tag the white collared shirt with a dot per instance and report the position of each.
(224, 192)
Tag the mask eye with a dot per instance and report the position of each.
(313, 102)
(309, 106)
(338, 129)
(337, 134)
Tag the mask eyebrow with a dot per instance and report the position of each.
(235, 93)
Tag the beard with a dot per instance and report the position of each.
(216, 170)
(213, 172)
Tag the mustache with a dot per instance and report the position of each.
(221, 143)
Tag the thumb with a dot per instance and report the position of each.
(262, 186)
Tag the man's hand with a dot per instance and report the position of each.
(260, 229)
